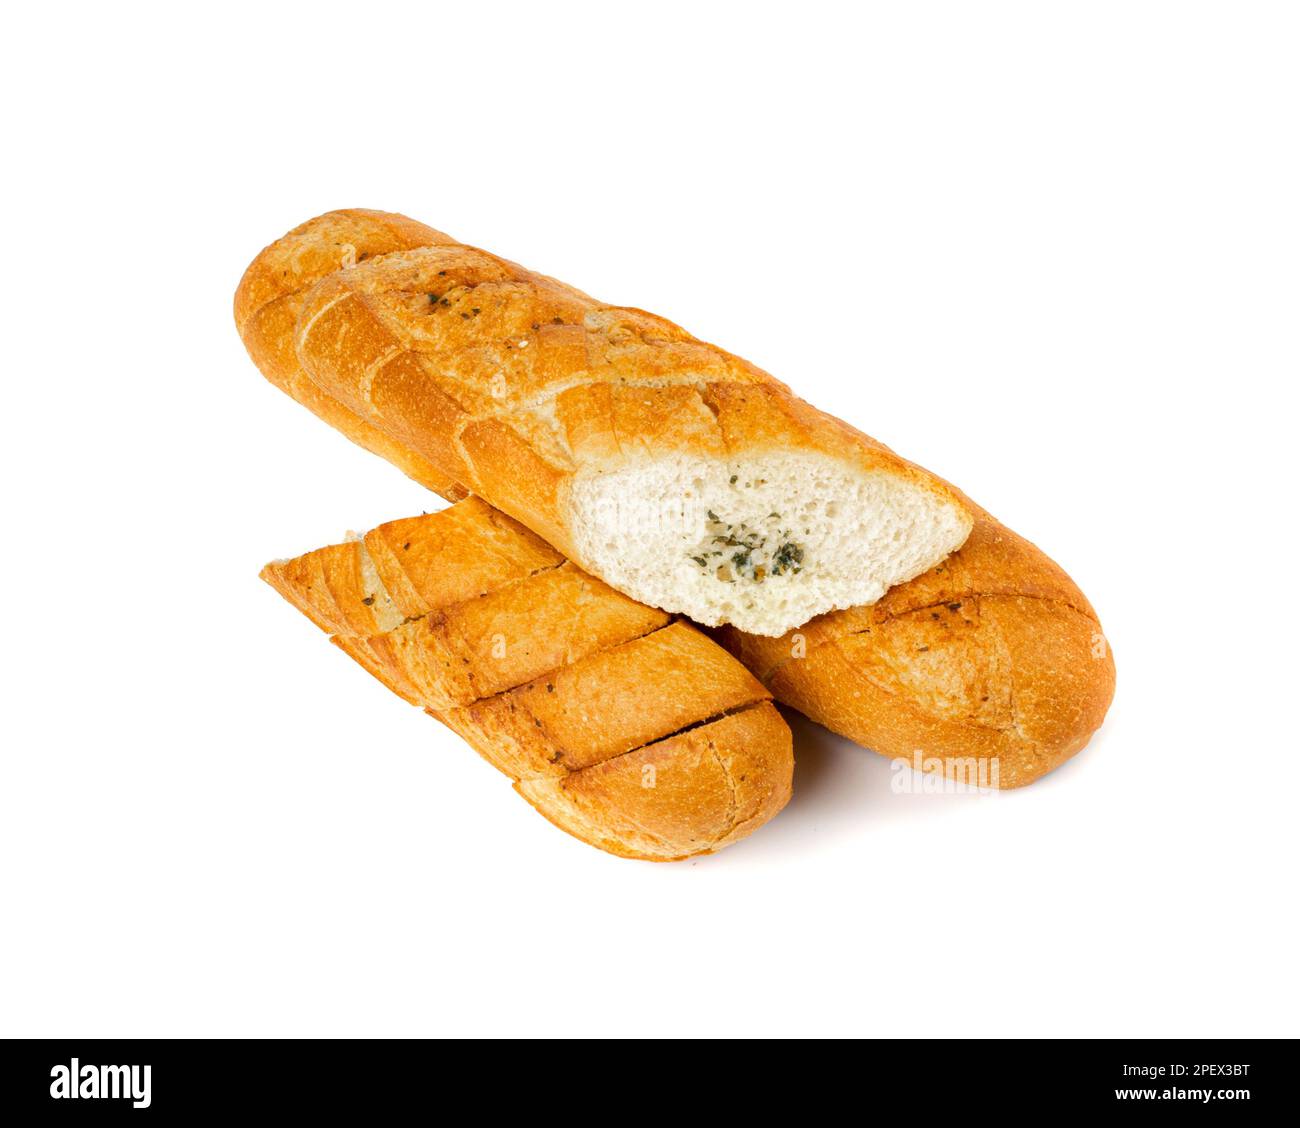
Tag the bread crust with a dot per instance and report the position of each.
(992, 667)
(633, 731)
(475, 374)
(270, 297)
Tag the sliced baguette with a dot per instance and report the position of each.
(624, 727)
(677, 473)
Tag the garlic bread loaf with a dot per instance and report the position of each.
(679, 474)
(991, 668)
(628, 728)
(993, 653)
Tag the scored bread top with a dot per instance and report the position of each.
(271, 295)
(564, 684)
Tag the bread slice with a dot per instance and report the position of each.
(681, 475)
(625, 727)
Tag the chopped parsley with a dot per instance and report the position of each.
(752, 558)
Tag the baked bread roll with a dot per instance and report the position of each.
(629, 729)
(990, 669)
(679, 474)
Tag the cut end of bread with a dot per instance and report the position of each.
(725, 542)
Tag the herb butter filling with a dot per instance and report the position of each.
(741, 552)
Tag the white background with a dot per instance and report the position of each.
(1051, 251)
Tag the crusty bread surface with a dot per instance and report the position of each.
(271, 294)
(625, 727)
(676, 472)
(991, 669)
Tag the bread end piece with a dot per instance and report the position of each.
(630, 731)
(272, 292)
(687, 795)
(991, 668)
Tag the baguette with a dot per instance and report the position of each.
(625, 727)
(1021, 685)
(991, 669)
(679, 474)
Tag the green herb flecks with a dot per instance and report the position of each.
(746, 551)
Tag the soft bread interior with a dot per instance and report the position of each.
(764, 543)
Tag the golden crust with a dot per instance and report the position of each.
(635, 733)
(626, 696)
(270, 297)
(469, 550)
(692, 793)
(510, 383)
(994, 656)
(486, 646)
(330, 587)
